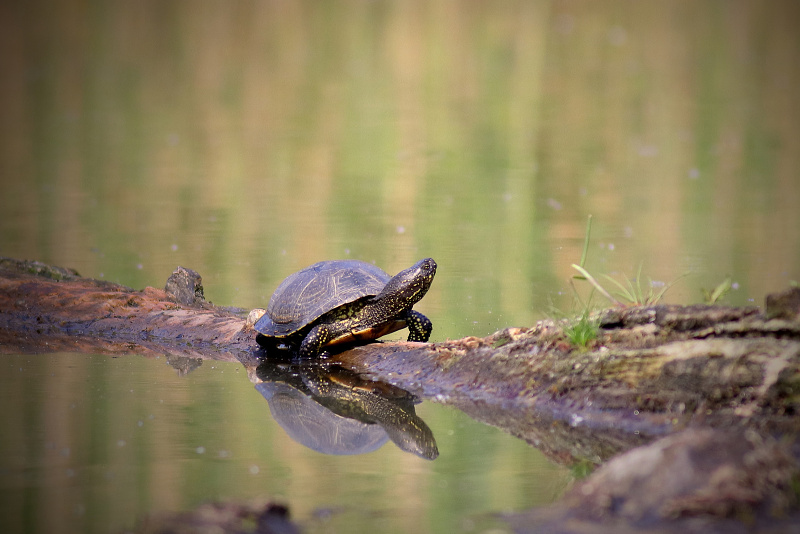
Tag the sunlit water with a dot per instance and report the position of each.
(247, 140)
(91, 443)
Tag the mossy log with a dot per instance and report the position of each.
(651, 372)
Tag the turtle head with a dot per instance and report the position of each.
(408, 286)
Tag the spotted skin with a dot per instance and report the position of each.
(419, 326)
(344, 301)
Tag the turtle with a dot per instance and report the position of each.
(342, 301)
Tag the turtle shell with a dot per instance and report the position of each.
(306, 295)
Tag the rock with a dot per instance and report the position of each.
(186, 287)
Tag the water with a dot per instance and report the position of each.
(248, 140)
(92, 442)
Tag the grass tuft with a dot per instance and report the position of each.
(582, 330)
(719, 292)
(631, 292)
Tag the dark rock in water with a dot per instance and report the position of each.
(785, 305)
(186, 287)
(223, 517)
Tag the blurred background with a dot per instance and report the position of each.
(248, 139)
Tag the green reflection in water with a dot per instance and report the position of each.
(98, 441)
(249, 140)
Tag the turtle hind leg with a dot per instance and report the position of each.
(419, 326)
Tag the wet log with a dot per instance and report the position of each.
(52, 309)
(651, 372)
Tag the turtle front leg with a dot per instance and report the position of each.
(419, 326)
(316, 338)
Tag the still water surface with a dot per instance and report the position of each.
(247, 140)
(93, 442)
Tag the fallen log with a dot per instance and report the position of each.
(51, 309)
(651, 372)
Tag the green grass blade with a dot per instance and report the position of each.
(596, 284)
(586, 240)
(628, 293)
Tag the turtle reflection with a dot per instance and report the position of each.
(331, 410)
